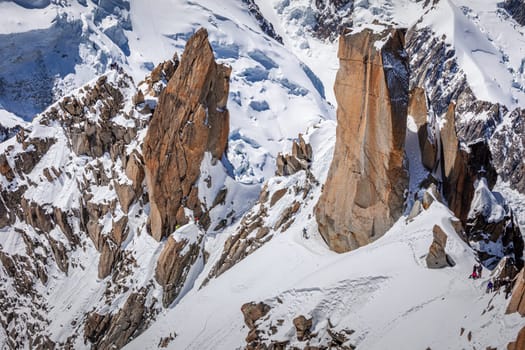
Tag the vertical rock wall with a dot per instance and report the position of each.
(363, 195)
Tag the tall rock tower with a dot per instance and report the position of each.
(190, 119)
(363, 195)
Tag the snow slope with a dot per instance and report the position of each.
(383, 291)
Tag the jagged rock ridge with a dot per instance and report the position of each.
(190, 119)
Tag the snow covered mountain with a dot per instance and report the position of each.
(262, 174)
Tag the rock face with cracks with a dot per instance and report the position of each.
(363, 195)
(190, 119)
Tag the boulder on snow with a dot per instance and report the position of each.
(431, 194)
(436, 257)
(303, 327)
(253, 312)
(417, 208)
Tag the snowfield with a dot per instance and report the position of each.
(383, 291)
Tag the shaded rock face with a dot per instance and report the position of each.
(190, 119)
(113, 331)
(437, 258)
(516, 8)
(363, 195)
(332, 17)
(461, 168)
(468, 176)
(417, 108)
(8, 132)
(517, 301)
(173, 267)
(509, 141)
(265, 25)
(462, 164)
(491, 223)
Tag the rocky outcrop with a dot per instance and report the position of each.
(265, 25)
(363, 195)
(461, 166)
(250, 236)
(332, 17)
(417, 108)
(516, 9)
(437, 258)
(519, 344)
(253, 312)
(113, 331)
(256, 228)
(509, 139)
(505, 270)
(190, 119)
(67, 168)
(109, 255)
(34, 150)
(95, 137)
(174, 265)
(490, 223)
(300, 159)
(303, 327)
(157, 80)
(517, 301)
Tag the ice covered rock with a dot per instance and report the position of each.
(491, 228)
(264, 24)
(508, 142)
(516, 8)
(363, 195)
(190, 119)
